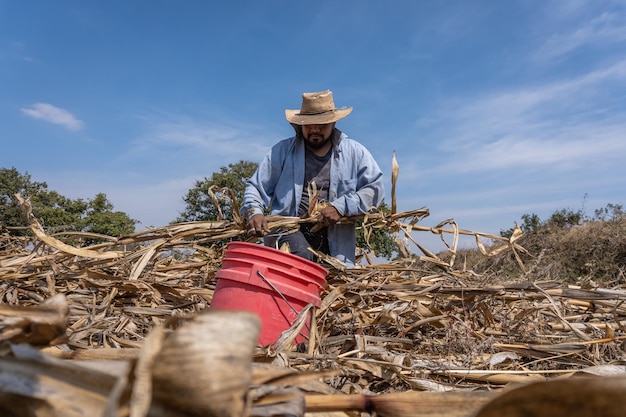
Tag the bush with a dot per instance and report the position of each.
(566, 248)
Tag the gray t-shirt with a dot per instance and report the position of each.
(316, 169)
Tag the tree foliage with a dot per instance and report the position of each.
(11, 183)
(566, 218)
(99, 217)
(612, 212)
(55, 212)
(381, 241)
(201, 207)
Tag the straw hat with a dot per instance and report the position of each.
(317, 109)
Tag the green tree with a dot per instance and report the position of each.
(381, 241)
(612, 212)
(11, 183)
(530, 223)
(55, 212)
(100, 218)
(565, 218)
(562, 219)
(200, 206)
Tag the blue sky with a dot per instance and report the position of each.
(494, 108)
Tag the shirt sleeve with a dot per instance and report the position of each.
(268, 183)
(362, 189)
(259, 189)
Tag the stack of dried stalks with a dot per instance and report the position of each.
(415, 324)
(203, 367)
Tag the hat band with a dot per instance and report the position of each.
(316, 113)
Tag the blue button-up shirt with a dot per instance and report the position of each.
(356, 186)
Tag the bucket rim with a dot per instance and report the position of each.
(275, 252)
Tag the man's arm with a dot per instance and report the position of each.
(363, 192)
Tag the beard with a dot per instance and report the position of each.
(316, 141)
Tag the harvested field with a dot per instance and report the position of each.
(419, 324)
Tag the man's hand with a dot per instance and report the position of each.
(258, 225)
(330, 215)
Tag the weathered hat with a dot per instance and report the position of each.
(317, 109)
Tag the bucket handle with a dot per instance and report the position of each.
(268, 282)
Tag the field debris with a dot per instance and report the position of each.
(415, 324)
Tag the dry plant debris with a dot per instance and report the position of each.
(415, 324)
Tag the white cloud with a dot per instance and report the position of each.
(52, 114)
(557, 124)
(187, 142)
(605, 29)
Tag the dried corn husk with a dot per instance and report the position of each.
(573, 397)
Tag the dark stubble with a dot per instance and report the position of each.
(314, 142)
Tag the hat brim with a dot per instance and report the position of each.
(295, 117)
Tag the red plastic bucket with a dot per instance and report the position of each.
(241, 285)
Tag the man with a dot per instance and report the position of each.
(343, 170)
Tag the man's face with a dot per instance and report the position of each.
(317, 136)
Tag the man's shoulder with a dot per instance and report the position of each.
(284, 148)
(285, 143)
(347, 142)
